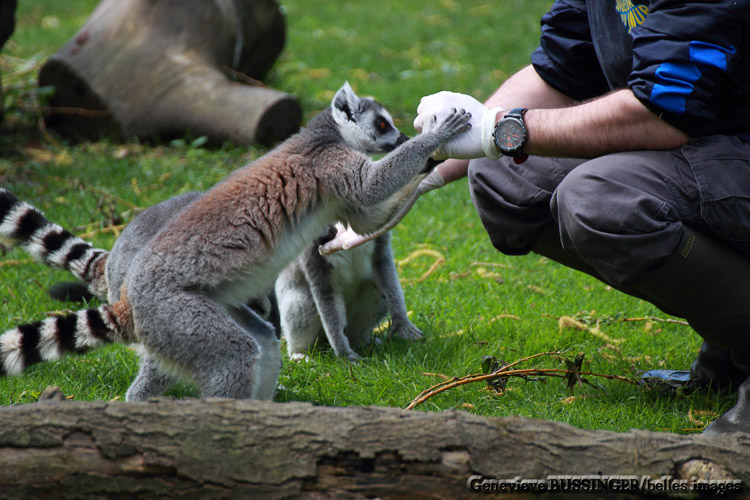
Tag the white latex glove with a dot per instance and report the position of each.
(346, 238)
(473, 143)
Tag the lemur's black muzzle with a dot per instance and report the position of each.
(401, 139)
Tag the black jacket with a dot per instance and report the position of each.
(682, 59)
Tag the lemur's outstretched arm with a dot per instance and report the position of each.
(348, 238)
(380, 179)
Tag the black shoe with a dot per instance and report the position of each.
(737, 419)
(714, 369)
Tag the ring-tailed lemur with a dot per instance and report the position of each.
(341, 297)
(179, 275)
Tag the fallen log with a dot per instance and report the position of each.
(262, 450)
(145, 69)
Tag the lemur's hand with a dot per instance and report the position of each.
(346, 238)
(473, 143)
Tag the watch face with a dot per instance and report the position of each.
(509, 134)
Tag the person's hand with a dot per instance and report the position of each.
(475, 142)
(346, 238)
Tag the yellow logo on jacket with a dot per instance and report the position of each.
(631, 15)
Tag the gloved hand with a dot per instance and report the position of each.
(475, 142)
(346, 238)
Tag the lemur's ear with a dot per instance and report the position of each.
(345, 104)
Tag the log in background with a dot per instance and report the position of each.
(248, 449)
(145, 69)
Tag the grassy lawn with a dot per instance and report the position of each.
(476, 303)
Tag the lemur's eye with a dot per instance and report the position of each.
(382, 124)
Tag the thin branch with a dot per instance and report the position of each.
(115, 229)
(505, 371)
(79, 184)
(660, 320)
(63, 110)
(465, 377)
(625, 320)
(13, 262)
(439, 260)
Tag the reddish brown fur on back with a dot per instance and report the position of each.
(249, 209)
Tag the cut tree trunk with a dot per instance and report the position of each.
(158, 69)
(263, 450)
(7, 24)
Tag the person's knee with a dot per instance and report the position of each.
(503, 185)
(599, 200)
(479, 174)
(616, 226)
(512, 208)
(580, 207)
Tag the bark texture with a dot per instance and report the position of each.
(262, 450)
(158, 69)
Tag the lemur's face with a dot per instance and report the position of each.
(364, 123)
(377, 124)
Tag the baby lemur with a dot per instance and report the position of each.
(179, 276)
(341, 297)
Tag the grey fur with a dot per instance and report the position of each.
(341, 297)
(180, 275)
(137, 234)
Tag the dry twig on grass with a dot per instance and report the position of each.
(571, 374)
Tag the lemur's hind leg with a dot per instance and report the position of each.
(329, 302)
(300, 321)
(270, 360)
(198, 336)
(151, 381)
(386, 278)
(363, 316)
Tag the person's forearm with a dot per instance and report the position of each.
(524, 89)
(453, 169)
(615, 122)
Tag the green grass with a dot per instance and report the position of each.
(507, 307)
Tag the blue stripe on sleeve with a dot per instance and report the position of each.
(675, 80)
(710, 54)
(680, 74)
(675, 84)
(670, 98)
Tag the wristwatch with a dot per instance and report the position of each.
(510, 133)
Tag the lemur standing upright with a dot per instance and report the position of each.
(180, 274)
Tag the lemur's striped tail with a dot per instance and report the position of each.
(49, 339)
(52, 244)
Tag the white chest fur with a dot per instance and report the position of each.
(258, 278)
(352, 267)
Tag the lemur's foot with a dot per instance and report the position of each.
(299, 357)
(353, 357)
(406, 330)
